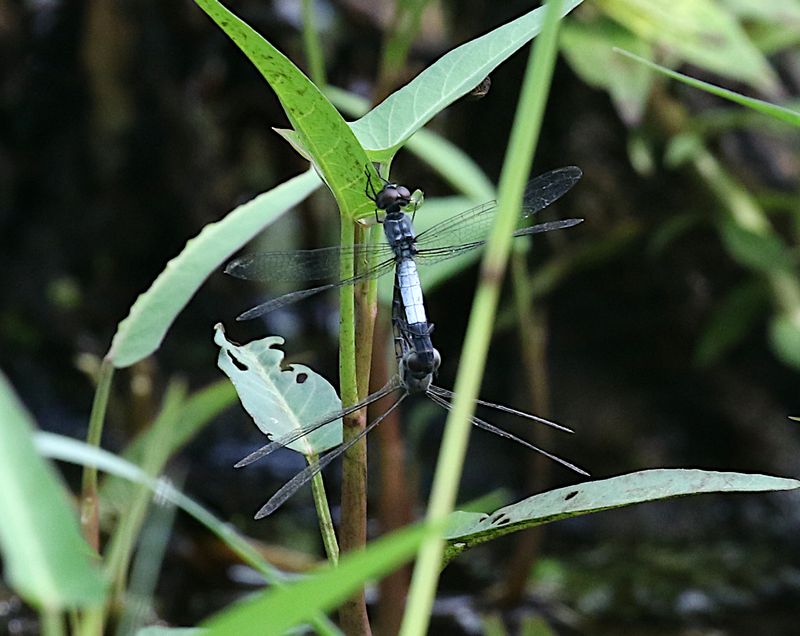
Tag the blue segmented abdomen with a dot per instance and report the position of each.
(411, 292)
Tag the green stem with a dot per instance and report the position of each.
(324, 517)
(89, 501)
(52, 622)
(353, 530)
(316, 62)
(519, 154)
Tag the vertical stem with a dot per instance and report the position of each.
(89, 502)
(52, 622)
(316, 62)
(524, 136)
(353, 532)
(324, 517)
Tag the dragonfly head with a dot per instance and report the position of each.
(392, 198)
(418, 368)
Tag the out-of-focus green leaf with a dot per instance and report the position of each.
(589, 49)
(698, 31)
(772, 110)
(157, 630)
(277, 610)
(467, 529)
(198, 410)
(46, 561)
(388, 125)
(784, 332)
(671, 230)
(141, 333)
(329, 141)
(785, 12)
(763, 251)
(280, 400)
(731, 321)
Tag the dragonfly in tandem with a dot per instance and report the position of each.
(452, 237)
(418, 362)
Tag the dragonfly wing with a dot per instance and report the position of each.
(292, 297)
(548, 188)
(469, 229)
(314, 467)
(299, 265)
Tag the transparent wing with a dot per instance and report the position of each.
(292, 297)
(293, 436)
(301, 265)
(476, 421)
(305, 475)
(435, 255)
(472, 226)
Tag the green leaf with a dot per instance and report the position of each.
(46, 560)
(141, 333)
(731, 321)
(761, 251)
(157, 630)
(198, 410)
(784, 332)
(448, 160)
(280, 400)
(467, 529)
(699, 32)
(588, 48)
(772, 110)
(277, 610)
(323, 133)
(387, 126)
(778, 12)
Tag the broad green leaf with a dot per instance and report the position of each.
(280, 400)
(784, 332)
(448, 160)
(141, 333)
(772, 110)
(323, 133)
(387, 126)
(46, 560)
(731, 321)
(699, 32)
(277, 610)
(467, 529)
(589, 48)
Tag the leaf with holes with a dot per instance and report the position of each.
(467, 529)
(280, 400)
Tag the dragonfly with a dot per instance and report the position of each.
(418, 361)
(452, 237)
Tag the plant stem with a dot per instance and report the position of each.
(353, 530)
(324, 517)
(90, 520)
(524, 136)
(316, 62)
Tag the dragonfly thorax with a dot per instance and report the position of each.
(400, 234)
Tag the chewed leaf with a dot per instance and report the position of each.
(280, 400)
(467, 529)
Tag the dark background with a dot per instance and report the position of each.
(125, 127)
